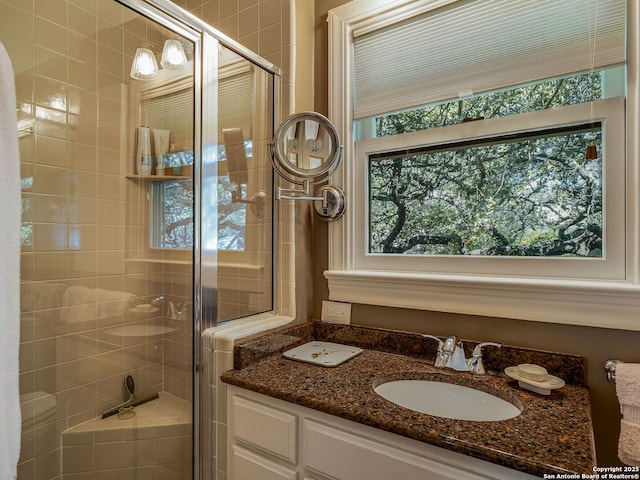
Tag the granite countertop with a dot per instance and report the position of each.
(553, 434)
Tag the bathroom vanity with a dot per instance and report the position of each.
(294, 420)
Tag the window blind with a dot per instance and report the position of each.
(235, 103)
(477, 46)
(174, 110)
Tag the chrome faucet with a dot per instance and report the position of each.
(445, 349)
(183, 311)
(475, 363)
(451, 355)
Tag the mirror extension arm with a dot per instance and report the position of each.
(306, 151)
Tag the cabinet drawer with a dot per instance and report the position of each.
(246, 465)
(345, 456)
(265, 428)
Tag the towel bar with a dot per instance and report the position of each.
(610, 367)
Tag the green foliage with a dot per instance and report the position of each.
(526, 197)
(553, 93)
(177, 231)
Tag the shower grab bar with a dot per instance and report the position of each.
(132, 402)
(610, 368)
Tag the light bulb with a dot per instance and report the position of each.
(173, 55)
(144, 64)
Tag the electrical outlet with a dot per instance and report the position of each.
(336, 312)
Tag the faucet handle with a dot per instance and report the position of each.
(440, 342)
(475, 363)
(441, 357)
(449, 346)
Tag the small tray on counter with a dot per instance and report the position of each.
(325, 354)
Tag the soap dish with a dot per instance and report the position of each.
(325, 354)
(534, 378)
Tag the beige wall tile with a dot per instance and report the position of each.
(111, 12)
(50, 266)
(78, 458)
(249, 21)
(48, 464)
(110, 60)
(83, 75)
(52, 123)
(26, 267)
(17, 22)
(49, 237)
(81, 264)
(79, 346)
(51, 93)
(50, 35)
(52, 10)
(50, 208)
(110, 263)
(82, 237)
(110, 112)
(50, 180)
(109, 136)
(229, 25)
(109, 238)
(270, 13)
(228, 8)
(82, 129)
(51, 151)
(88, 5)
(81, 21)
(50, 64)
(82, 48)
(110, 34)
(82, 102)
(82, 210)
(83, 184)
(271, 40)
(108, 212)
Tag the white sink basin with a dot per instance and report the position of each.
(447, 400)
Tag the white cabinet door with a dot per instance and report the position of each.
(246, 465)
(265, 428)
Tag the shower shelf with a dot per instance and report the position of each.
(159, 178)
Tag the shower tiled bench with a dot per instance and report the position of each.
(155, 443)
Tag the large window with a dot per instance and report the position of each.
(503, 196)
(486, 158)
(533, 193)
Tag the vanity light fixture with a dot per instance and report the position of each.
(144, 64)
(173, 55)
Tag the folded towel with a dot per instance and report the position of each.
(10, 419)
(628, 391)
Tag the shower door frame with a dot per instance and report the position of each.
(205, 137)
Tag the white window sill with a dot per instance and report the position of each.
(593, 303)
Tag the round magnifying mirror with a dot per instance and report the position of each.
(306, 147)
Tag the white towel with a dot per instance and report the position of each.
(628, 391)
(9, 273)
(90, 304)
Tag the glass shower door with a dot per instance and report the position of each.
(107, 259)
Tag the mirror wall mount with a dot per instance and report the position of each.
(330, 206)
(306, 151)
(256, 203)
(238, 171)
